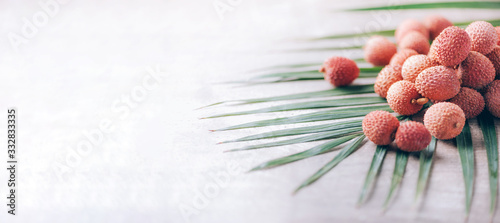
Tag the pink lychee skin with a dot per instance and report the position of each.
(340, 71)
(412, 136)
(483, 35)
(399, 58)
(416, 64)
(378, 50)
(470, 101)
(438, 83)
(492, 98)
(387, 76)
(416, 41)
(476, 71)
(410, 25)
(498, 33)
(380, 127)
(451, 47)
(436, 24)
(494, 57)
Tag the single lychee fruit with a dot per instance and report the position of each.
(400, 57)
(416, 41)
(387, 76)
(412, 136)
(379, 50)
(438, 83)
(340, 71)
(416, 64)
(444, 120)
(470, 101)
(494, 57)
(492, 98)
(409, 25)
(483, 35)
(404, 98)
(451, 47)
(435, 24)
(380, 127)
(476, 71)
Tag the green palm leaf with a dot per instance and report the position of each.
(308, 138)
(344, 153)
(434, 5)
(312, 117)
(339, 91)
(378, 159)
(317, 150)
(490, 141)
(397, 175)
(466, 151)
(425, 167)
(310, 105)
(300, 130)
(368, 72)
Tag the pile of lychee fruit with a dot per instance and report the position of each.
(456, 73)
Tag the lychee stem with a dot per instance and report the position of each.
(322, 70)
(420, 101)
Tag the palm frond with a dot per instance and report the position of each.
(435, 5)
(490, 141)
(307, 138)
(312, 117)
(364, 72)
(426, 156)
(378, 159)
(397, 175)
(466, 151)
(317, 150)
(344, 153)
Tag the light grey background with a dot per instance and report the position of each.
(76, 69)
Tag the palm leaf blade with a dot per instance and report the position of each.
(425, 167)
(434, 5)
(466, 151)
(397, 175)
(378, 159)
(490, 140)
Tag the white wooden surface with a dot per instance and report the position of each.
(156, 162)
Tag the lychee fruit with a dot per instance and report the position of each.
(404, 98)
(409, 25)
(438, 83)
(498, 32)
(476, 71)
(416, 64)
(400, 57)
(387, 76)
(412, 136)
(380, 127)
(492, 98)
(416, 41)
(379, 50)
(494, 57)
(470, 101)
(451, 47)
(444, 120)
(435, 24)
(340, 71)
(483, 35)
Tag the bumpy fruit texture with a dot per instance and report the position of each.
(494, 57)
(483, 35)
(435, 24)
(492, 98)
(498, 32)
(416, 41)
(451, 47)
(387, 76)
(400, 57)
(416, 64)
(380, 127)
(412, 136)
(470, 101)
(340, 71)
(444, 120)
(476, 71)
(379, 50)
(438, 83)
(404, 98)
(409, 25)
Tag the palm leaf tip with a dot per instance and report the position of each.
(376, 164)
(397, 176)
(424, 169)
(491, 143)
(434, 5)
(466, 152)
(346, 151)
